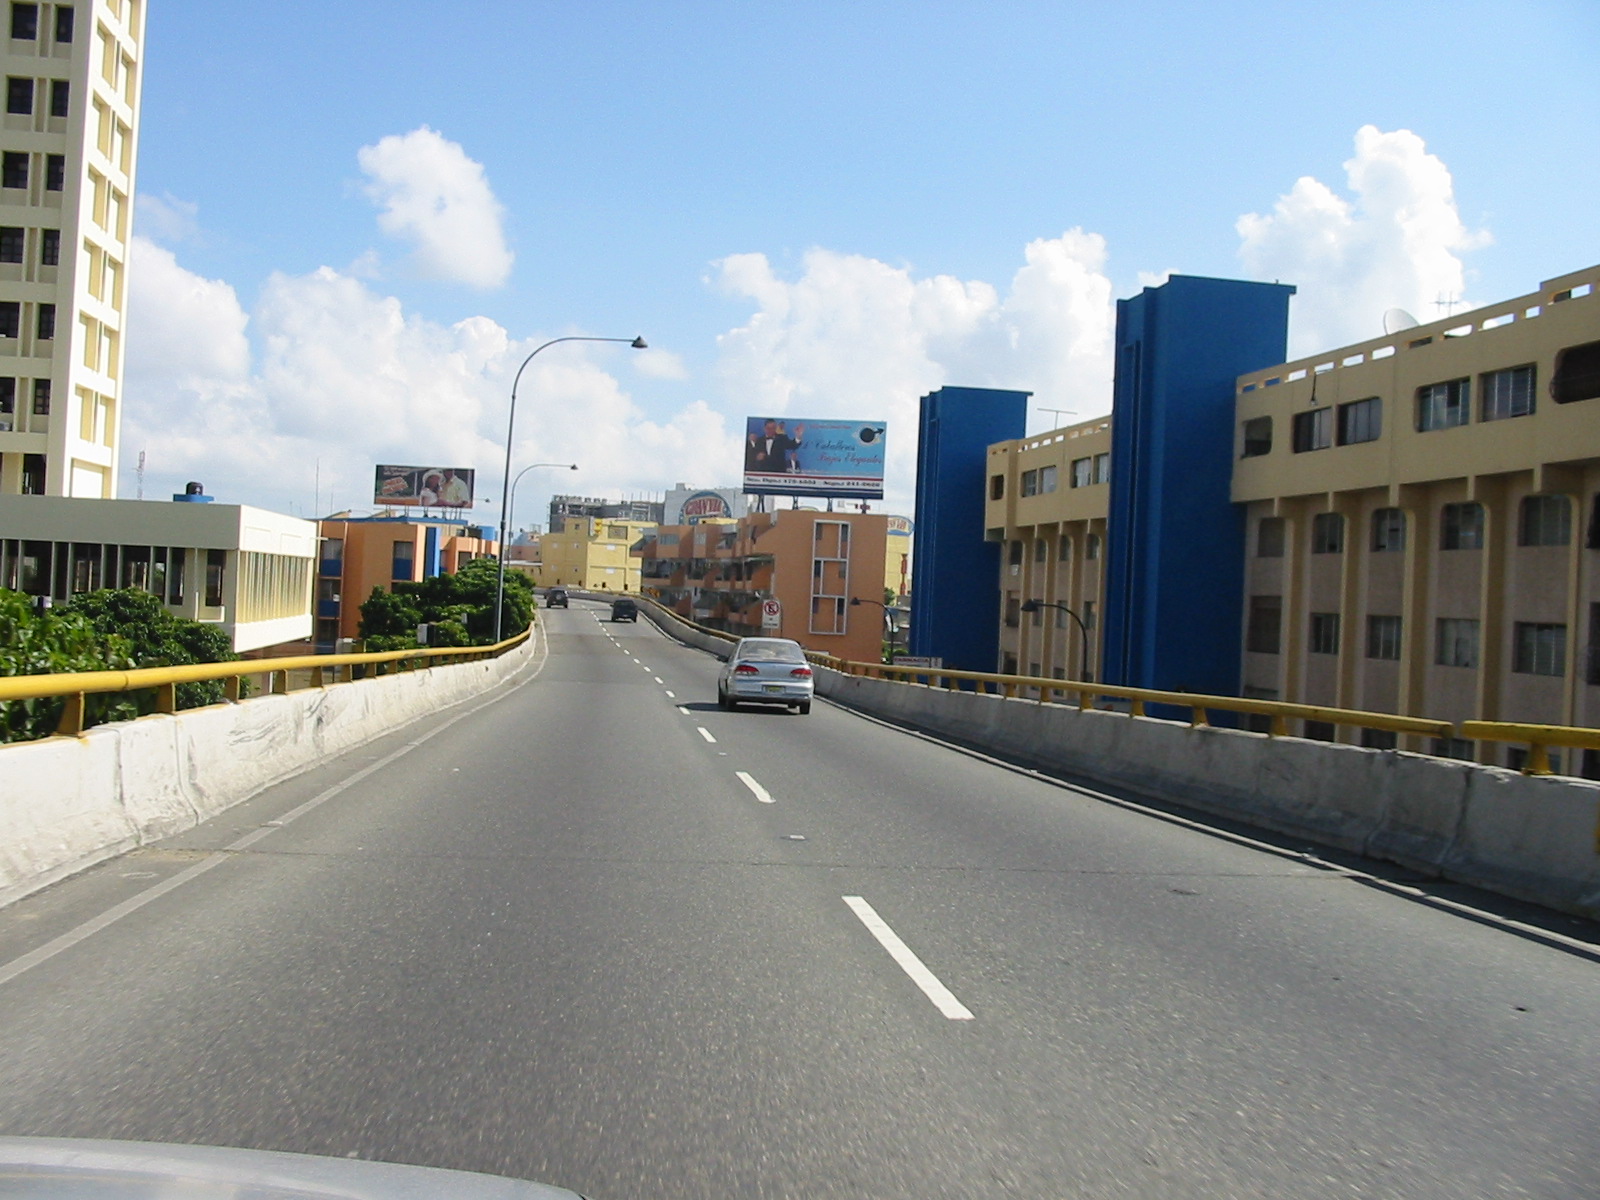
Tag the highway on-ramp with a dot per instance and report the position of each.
(594, 931)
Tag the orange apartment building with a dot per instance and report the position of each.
(357, 554)
(812, 563)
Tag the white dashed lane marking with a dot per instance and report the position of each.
(759, 792)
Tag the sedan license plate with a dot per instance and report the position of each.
(772, 687)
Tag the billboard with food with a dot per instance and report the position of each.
(423, 487)
(797, 456)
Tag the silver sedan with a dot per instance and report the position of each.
(766, 671)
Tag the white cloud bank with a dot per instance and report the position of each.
(433, 196)
(1396, 243)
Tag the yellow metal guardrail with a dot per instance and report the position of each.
(1538, 739)
(324, 668)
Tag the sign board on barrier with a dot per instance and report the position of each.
(771, 614)
(911, 660)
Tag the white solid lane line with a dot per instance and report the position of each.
(706, 733)
(756, 789)
(913, 966)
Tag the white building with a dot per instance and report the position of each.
(68, 147)
(244, 569)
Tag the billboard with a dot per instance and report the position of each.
(795, 456)
(685, 506)
(424, 487)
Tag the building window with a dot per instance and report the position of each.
(1318, 731)
(1324, 633)
(1464, 749)
(1461, 527)
(1030, 483)
(1388, 529)
(1041, 550)
(1591, 674)
(216, 561)
(1360, 421)
(1269, 538)
(1507, 393)
(41, 397)
(14, 169)
(1379, 739)
(55, 172)
(1257, 437)
(1456, 642)
(19, 96)
(1383, 637)
(1313, 430)
(8, 395)
(1091, 546)
(1327, 533)
(60, 90)
(403, 561)
(1082, 472)
(33, 474)
(49, 247)
(25, 22)
(1013, 611)
(11, 239)
(1014, 554)
(1442, 405)
(997, 487)
(1038, 619)
(63, 23)
(1088, 614)
(1266, 624)
(1577, 374)
(1546, 521)
(47, 322)
(10, 318)
(1594, 523)
(1539, 649)
(1047, 480)
(1102, 468)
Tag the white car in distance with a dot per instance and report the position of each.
(766, 671)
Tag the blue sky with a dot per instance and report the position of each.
(355, 219)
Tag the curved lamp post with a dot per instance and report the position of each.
(1029, 606)
(513, 503)
(637, 343)
(888, 621)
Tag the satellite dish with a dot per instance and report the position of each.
(1397, 319)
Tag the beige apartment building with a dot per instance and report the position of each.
(1047, 503)
(591, 553)
(1423, 516)
(68, 147)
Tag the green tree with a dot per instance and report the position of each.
(459, 608)
(156, 638)
(51, 643)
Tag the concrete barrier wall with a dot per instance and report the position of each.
(69, 802)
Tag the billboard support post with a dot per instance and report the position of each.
(637, 343)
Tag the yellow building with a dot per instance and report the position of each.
(1424, 518)
(1047, 504)
(591, 553)
(67, 153)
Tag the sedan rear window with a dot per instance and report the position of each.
(772, 652)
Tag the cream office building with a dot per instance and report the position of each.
(68, 147)
(1423, 516)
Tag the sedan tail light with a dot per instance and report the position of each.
(801, 672)
(746, 669)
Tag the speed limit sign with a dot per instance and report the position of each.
(771, 614)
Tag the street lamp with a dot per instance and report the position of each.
(518, 479)
(888, 620)
(1029, 606)
(637, 343)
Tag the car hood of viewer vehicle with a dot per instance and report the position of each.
(62, 1168)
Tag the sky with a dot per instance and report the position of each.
(355, 220)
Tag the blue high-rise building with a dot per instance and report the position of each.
(955, 613)
(1175, 540)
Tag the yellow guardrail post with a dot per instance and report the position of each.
(71, 722)
(167, 698)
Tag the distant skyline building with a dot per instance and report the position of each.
(562, 507)
(68, 151)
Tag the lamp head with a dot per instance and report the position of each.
(1029, 606)
(855, 601)
(639, 343)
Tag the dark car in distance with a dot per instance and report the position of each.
(556, 598)
(624, 610)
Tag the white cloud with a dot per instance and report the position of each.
(660, 364)
(344, 378)
(1397, 242)
(856, 337)
(432, 195)
(166, 219)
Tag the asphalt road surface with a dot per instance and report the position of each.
(595, 932)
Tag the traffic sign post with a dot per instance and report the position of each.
(771, 614)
